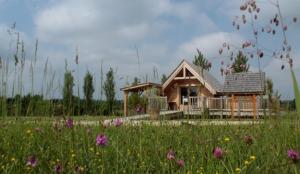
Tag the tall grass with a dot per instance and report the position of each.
(144, 148)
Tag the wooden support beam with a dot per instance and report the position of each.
(254, 105)
(178, 98)
(232, 105)
(125, 103)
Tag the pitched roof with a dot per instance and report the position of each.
(245, 82)
(212, 84)
(140, 86)
(207, 76)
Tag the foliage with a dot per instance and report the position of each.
(88, 90)
(296, 92)
(240, 63)
(164, 78)
(109, 90)
(255, 148)
(199, 60)
(68, 92)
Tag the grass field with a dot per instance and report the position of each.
(49, 146)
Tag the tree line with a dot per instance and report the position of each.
(37, 105)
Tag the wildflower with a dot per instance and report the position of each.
(118, 122)
(246, 162)
(218, 152)
(69, 123)
(293, 155)
(28, 131)
(226, 139)
(79, 169)
(32, 161)
(171, 155)
(57, 168)
(106, 123)
(246, 44)
(252, 158)
(101, 140)
(180, 163)
(13, 159)
(238, 170)
(248, 139)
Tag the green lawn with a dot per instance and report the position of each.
(143, 149)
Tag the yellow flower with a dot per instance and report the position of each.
(246, 162)
(81, 168)
(73, 155)
(13, 159)
(226, 139)
(238, 170)
(252, 157)
(28, 131)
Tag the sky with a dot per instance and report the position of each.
(134, 37)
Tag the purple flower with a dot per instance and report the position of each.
(101, 140)
(138, 109)
(118, 122)
(171, 155)
(31, 161)
(293, 155)
(218, 152)
(69, 123)
(180, 163)
(57, 168)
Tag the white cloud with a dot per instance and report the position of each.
(209, 44)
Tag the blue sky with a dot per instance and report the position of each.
(164, 31)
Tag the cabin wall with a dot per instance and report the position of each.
(173, 91)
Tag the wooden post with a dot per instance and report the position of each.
(178, 98)
(232, 105)
(221, 107)
(254, 105)
(125, 103)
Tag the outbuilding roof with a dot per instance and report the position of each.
(245, 82)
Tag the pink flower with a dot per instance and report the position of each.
(58, 168)
(171, 155)
(101, 140)
(118, 122)
(32, 161)
(69, 123)
(293, 155)
(218, 153)
(246, 44)
(180, 163)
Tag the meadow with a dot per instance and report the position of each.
(61, 146)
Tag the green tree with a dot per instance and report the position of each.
(88, 90)
(240, 63)
(68, 92)
(163, 78)
(199, 60)
(134, 98)
(273, 98)
(109, 90)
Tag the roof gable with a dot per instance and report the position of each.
(210, 82)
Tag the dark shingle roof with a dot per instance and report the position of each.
(245, 82)
(210, 79)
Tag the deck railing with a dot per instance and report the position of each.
(159, 100)
(238, 105)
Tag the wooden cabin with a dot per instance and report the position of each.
(192, 89)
